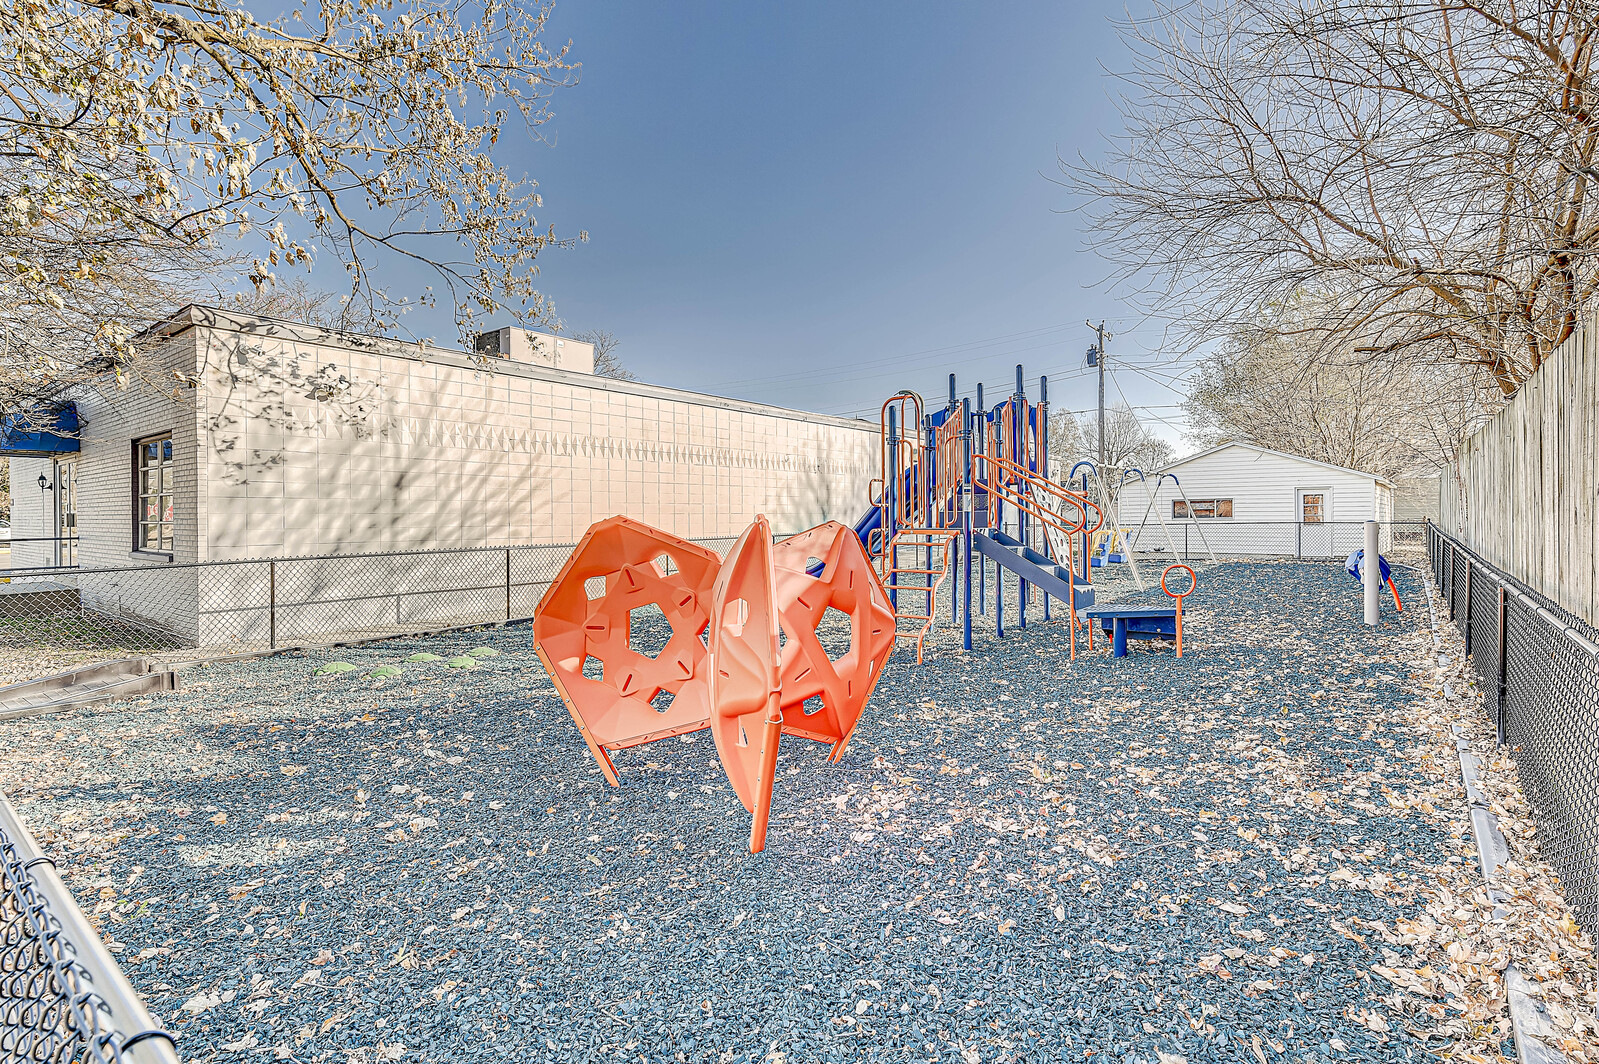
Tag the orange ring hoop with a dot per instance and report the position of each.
(1193, 581)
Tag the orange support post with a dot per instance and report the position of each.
(586, 619)
(746, 719)
(1193, 582)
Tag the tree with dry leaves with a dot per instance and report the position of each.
(142, 141)
(1429, 161)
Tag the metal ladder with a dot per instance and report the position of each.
(917, 578)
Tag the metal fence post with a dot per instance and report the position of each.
(507, 583)
(1371, 577)
(1504, 643)
(272, 605)
(1466, 628)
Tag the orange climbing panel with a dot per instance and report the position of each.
(723, 665)
(619, 692)
(823, 696)
(746, 719)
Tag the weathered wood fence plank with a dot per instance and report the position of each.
(1523, 491)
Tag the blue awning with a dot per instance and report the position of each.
(41, 432)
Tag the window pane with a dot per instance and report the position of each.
(166, 477)
(1179, 509)
(166, 508)
(166, 537)
(166, 450)
(1224, 507)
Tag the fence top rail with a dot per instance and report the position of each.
(111, 1021)
(166, 567)
(1538, 604)
(35, 572)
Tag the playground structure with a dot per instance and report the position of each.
(970, 483)
(1123, 622)
(1355, 566)
(746, 656)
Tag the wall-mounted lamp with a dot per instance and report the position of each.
(44, 483)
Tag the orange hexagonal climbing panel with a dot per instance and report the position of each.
(619, 631)
(830, 598)
(745, 719)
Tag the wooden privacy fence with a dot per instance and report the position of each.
(1521, 490)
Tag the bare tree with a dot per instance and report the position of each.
(1429, 161)
(140, 141)
(1270, 385)
(606, 364)
(1128, 445)
(293, 299)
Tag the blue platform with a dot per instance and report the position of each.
(1134, 622)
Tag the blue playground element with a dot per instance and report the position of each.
(1355, 566)
(46, 433)
(1134, 622)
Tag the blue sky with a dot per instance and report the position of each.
(816, 204)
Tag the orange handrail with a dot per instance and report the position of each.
(1036, 480)
(906, 455)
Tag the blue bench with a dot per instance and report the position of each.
(1134, 622)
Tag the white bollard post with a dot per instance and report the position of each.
(1371, 582)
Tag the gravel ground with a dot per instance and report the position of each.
(1019, 859)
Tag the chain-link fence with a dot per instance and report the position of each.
(56, 619)
(1198, 539)
(1539, 672)
(62, 997)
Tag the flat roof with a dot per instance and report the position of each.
(199, 316)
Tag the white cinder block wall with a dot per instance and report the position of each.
(317, 446)
(290, 440)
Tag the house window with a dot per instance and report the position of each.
(1312, 507)
(1202, 508)
(152, 514)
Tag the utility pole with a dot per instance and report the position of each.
(1096, 357)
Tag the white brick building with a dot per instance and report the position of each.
(257, 438)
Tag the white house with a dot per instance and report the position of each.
(1240, 499)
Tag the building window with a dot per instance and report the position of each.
(1202, 508)
(1311, 508)
(152, 514)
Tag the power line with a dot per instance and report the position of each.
(927, 355)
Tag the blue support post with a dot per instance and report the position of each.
(1018, 415)
(1042, 459)
(891, 487)
(967, 497)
